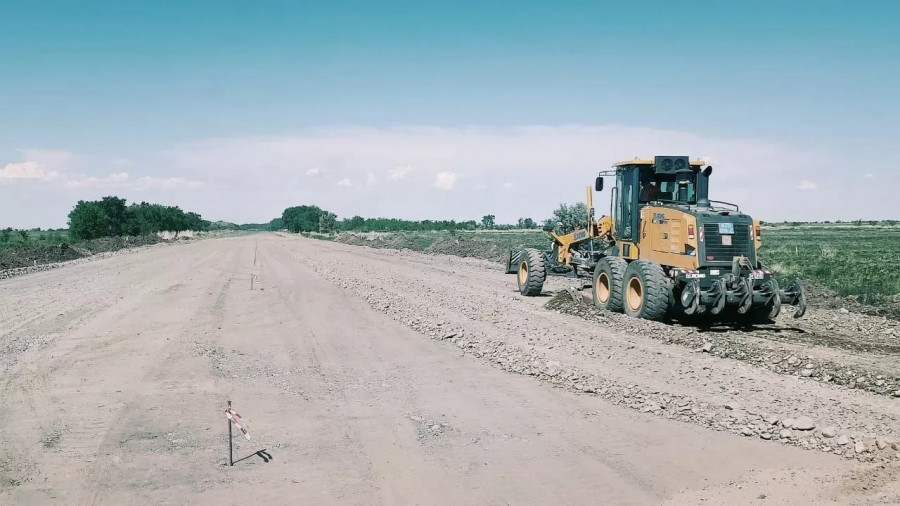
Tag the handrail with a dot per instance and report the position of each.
(737, 208)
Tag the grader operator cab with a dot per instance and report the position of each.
(665, 249)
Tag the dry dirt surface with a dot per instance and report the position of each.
(384, 377)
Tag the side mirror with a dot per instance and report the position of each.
(598, 184)
(707, 171)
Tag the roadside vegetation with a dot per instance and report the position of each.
(108, 224)
(112, 217)
(11, 238)
(312, 219)
(862, 261)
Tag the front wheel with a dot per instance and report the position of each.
(645, 290)
(531, 273)
(607, 288)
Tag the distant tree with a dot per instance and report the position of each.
(525, 223)
(354, 223)
(116, 213)
(24, 234)
(567, 217)
(111, 217)
(5, 234)
(327, 222)
(88, 220)
(488, 221)
(302, 218)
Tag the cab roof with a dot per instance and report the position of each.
(650, 161)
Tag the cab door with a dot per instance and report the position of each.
(626, 212)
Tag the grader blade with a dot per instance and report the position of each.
(575, 295)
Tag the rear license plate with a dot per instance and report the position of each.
(757, 275)
(726, 228)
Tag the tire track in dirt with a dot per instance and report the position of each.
(165, 362)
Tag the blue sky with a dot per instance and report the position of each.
(158, 101)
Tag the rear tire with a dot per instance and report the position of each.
(607, 288)
(531, 272)
(645, 290)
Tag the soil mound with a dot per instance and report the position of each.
(63, 252)
(468, 246)
(376, 240)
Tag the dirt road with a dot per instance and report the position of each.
(115, 375)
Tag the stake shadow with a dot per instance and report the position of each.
(263, 454)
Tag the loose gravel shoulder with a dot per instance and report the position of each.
(828, 382)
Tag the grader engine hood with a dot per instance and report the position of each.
(702, 237)
(721, 238)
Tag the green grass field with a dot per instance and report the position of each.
(851, 260)
(862, 261)
(33, 239)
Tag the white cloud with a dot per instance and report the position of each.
(807, 185)
(445, 180)
(313, 172)
(371, 180)
(869, 176)
(480, 187)
(747, 171)
(168, 183)
(400, 172)
(345, 182)
(38, 164)
(112, 180)
(509, 184)
(26, 170)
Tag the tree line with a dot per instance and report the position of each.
(308, 218)
(111, 216)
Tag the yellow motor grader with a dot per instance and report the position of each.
(665, 250)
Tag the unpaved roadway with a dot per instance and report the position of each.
(115, 375)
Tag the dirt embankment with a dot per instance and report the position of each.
(16, 262)
(64, 251)
(466, 245)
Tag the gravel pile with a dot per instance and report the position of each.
(759, 344)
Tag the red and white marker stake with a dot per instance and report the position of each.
(235, 419)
